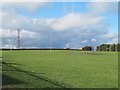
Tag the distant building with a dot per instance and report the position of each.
(67, 48)
(81, 49)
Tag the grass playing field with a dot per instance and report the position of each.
(59, 69)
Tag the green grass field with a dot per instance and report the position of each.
(59, 69)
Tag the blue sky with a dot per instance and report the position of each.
(74, 24)
(56, 9)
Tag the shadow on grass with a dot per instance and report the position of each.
(9, 66)
(10, 63)
(6, 79)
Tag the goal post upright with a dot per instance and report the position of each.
(50, 42)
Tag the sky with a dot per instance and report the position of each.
(59, 24)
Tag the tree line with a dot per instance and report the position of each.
(103, 47)
(108, 47)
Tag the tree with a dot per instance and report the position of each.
(103, 47)
(112, 47)
(108, 47)
(118, 47)
(87, 48)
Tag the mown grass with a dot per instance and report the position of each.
(59, 69)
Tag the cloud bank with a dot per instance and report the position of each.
(74, 30)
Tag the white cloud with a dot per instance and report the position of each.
(16, 21)
(76, 20)
(111, 35)
(29, 34)
(29, 6)
(84, 41)
(93, 40)
(7, 33)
